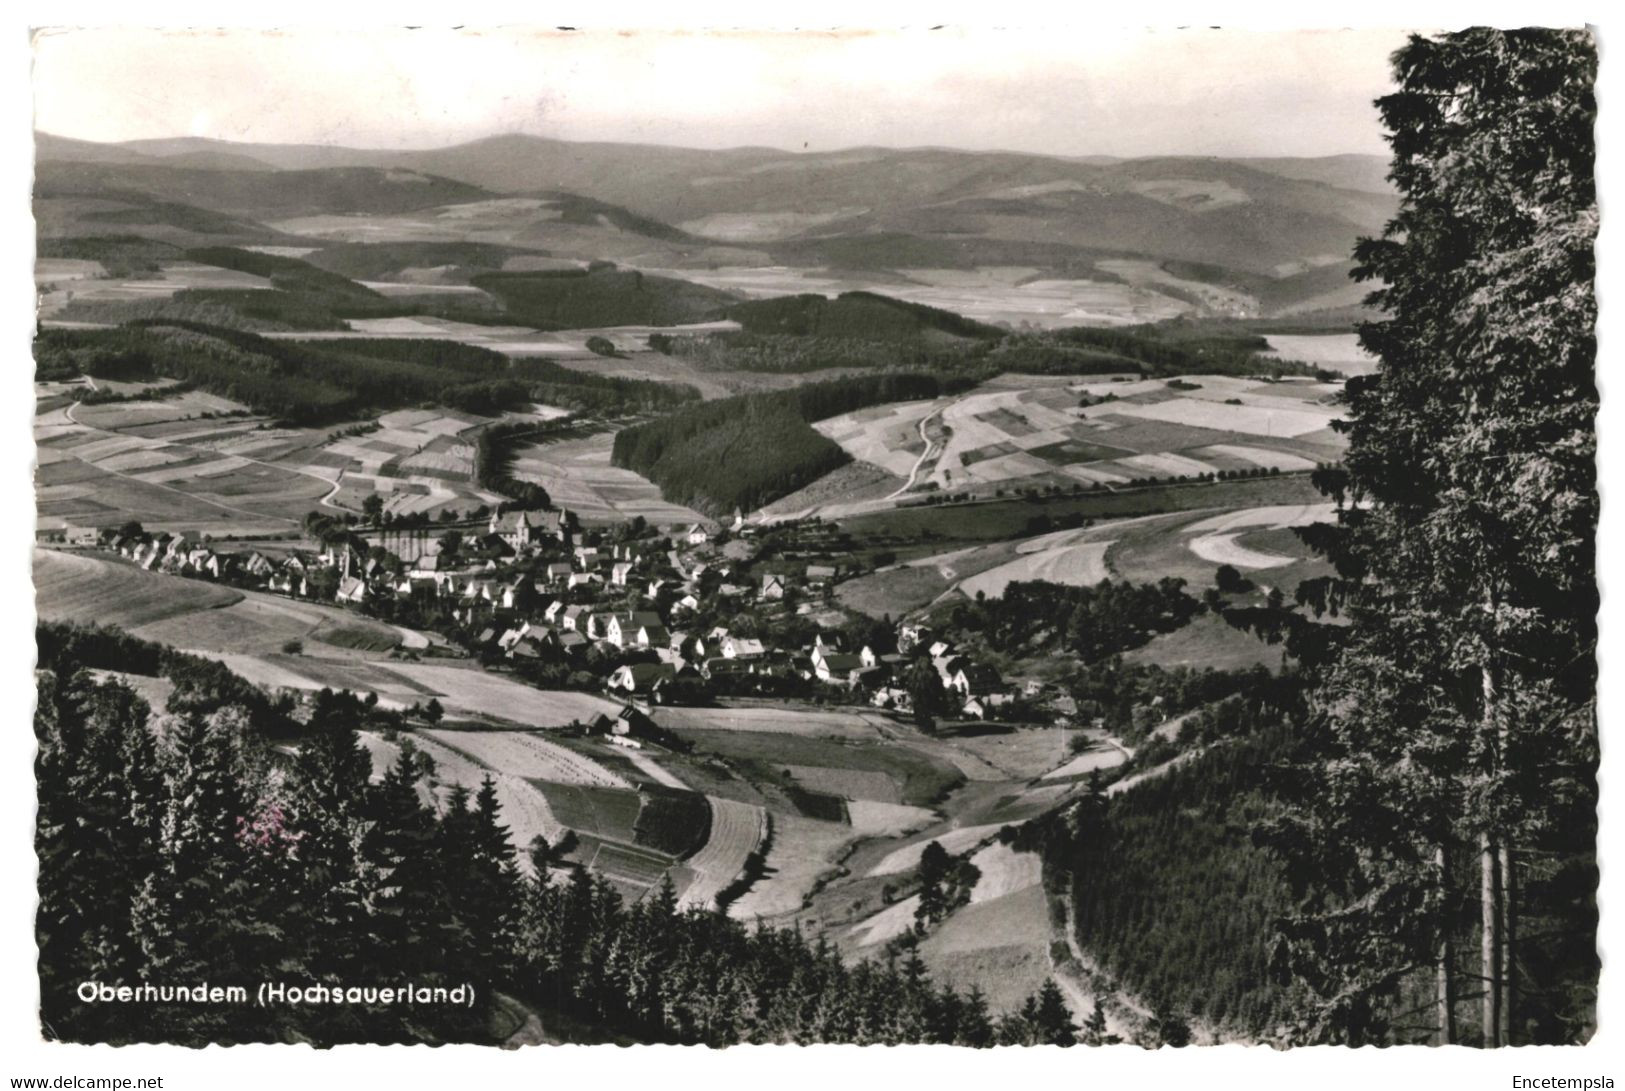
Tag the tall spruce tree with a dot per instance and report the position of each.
(1447, 791)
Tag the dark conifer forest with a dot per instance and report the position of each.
(189, 848)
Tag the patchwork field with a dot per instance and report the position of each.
(1214, 298)
(1078, 565)
(801, 850)
(887, 436)
(838, 768)
(871, 819)
(1108, 433)
(524, 809)
(1000, 946)
(419, 460)
(577, 474)
(165, 464)
(1018, 753)
(1189, 545)
(1100, 755)
(69, 288)
(608, 813)
(565, 345)
(73, 587)
(907, 857)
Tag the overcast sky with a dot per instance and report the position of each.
(1088, 91)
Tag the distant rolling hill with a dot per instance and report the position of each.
(874, 209)
(260, 194)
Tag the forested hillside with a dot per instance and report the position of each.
(601, 296)
(319, 381)
(863, 316)
(749, 450)
(1169, 894)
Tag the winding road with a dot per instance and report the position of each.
(914, 473)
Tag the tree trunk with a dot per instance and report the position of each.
(1490, 902)
(1509, 938)
(1447, 956)
(1490, 893)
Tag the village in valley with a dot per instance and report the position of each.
(534, 586)
(747, 594)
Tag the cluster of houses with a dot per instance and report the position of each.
(629, 600)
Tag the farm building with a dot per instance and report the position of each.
(772, 586)
(622, 629)
(977, 680)
(838, 667)
(521, 529)
(734, 647)
(645, 679)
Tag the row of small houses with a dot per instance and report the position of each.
(570, 630)
(524, 531)
(362, 577)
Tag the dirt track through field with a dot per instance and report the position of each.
(919, 463)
